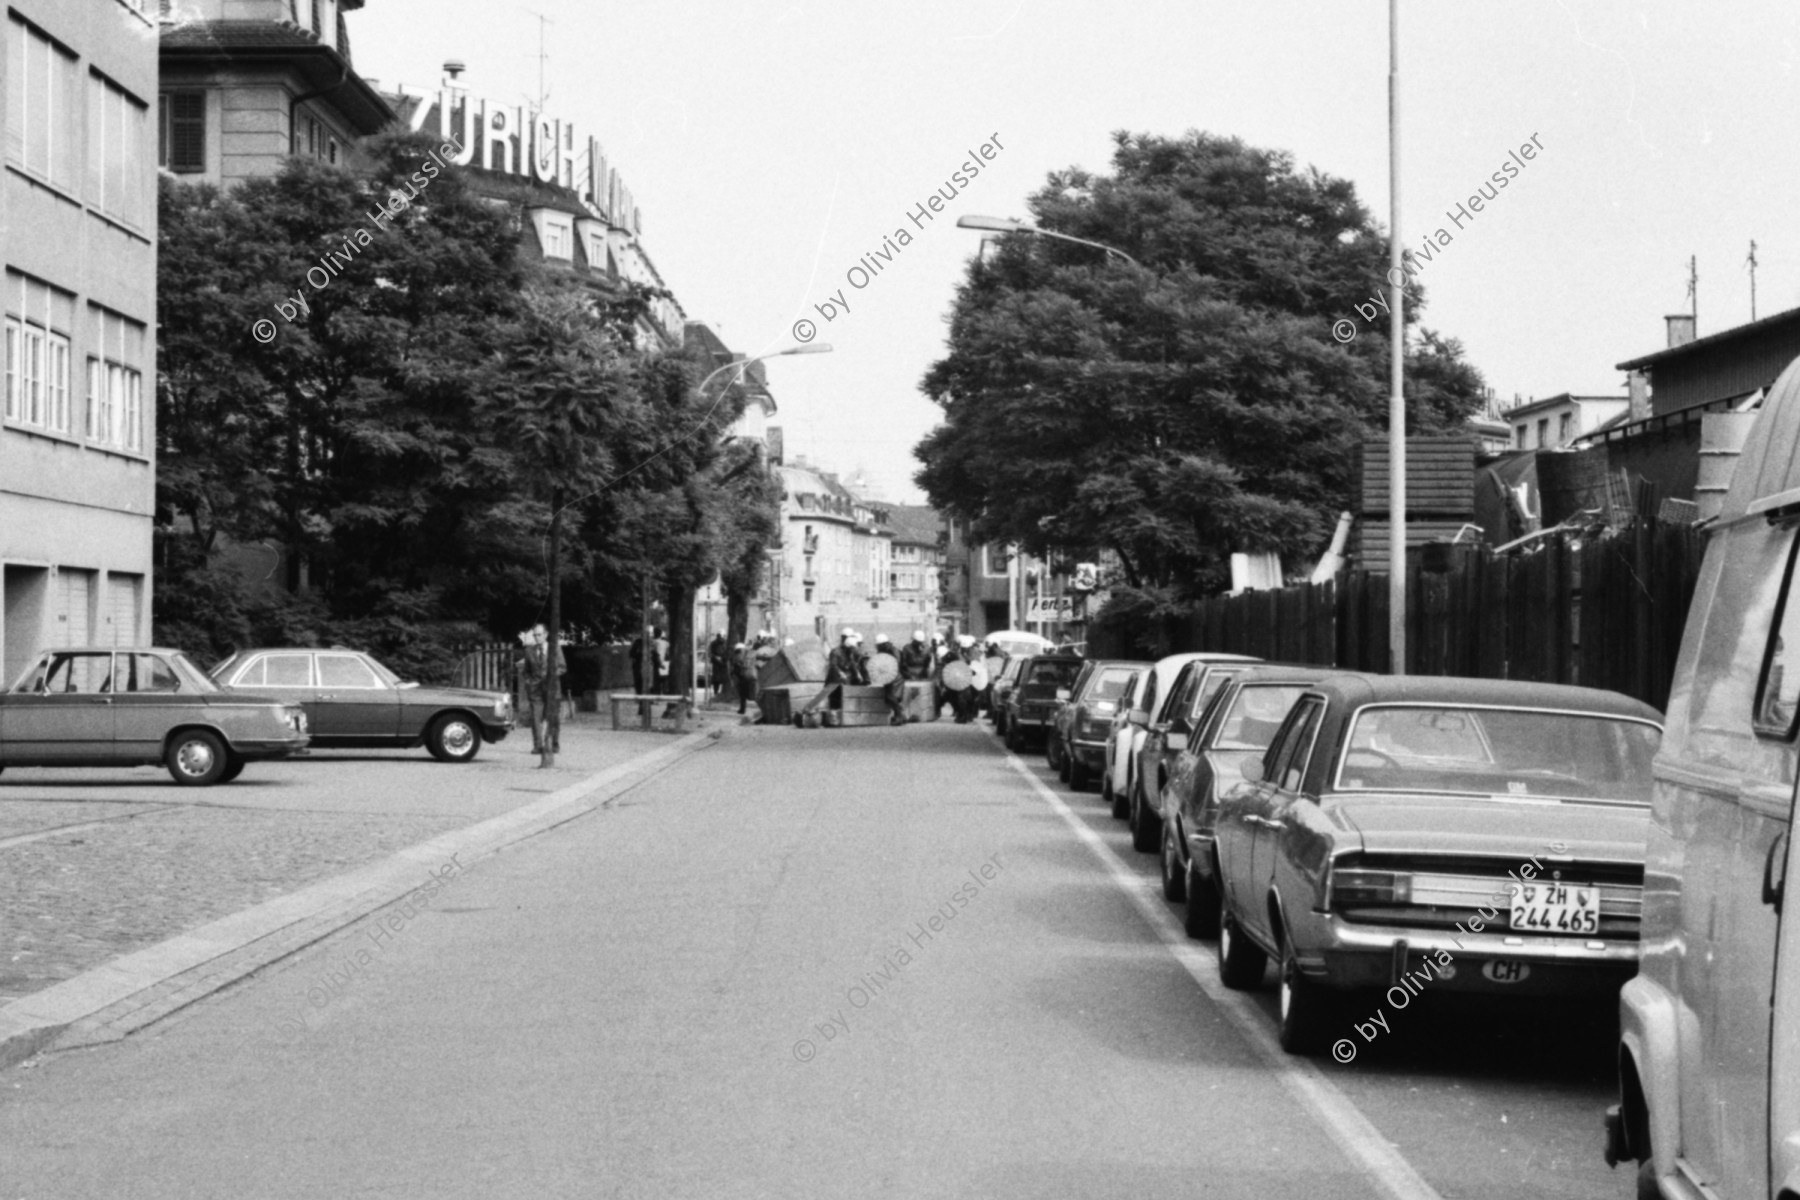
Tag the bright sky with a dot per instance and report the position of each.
(772, 143)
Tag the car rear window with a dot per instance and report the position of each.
(1498, 752)
(1059, 673)
(345, 671)
(1112, 683)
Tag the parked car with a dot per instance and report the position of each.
(102, 706)
(1032, 701)
(1076, 743)
(1394, 819)
(1709, 1030)
(1236, 726)
(354, 701)
(1122, 742)
(1166, 735)
(1000, 688)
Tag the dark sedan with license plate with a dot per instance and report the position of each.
(353, 701)
(1441, 835)
(1032, 702)
(1076, 745)
(104, 706)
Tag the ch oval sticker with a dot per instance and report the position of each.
(1506, 970)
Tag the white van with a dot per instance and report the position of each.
(1709, 1053)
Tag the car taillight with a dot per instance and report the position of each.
(1357, 886)
(297, 718)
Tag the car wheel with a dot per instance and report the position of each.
(453, 737)
(1078, 775)
(1202, 919)
(234, 766)
(1121, 804)
(1306, 1007)
(1174, 874)
(1241, 963)
(196, 758)
(1050, 754)
(1146, 826)
(1014, 741)
(1064, 765)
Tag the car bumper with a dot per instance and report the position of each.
(1362, 956)
(263, 750)
(1091, 755)
(495, 733)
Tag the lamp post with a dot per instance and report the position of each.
(1009, 225)
(1396, 369)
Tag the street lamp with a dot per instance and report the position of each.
(1396, 369)
(1009, 225)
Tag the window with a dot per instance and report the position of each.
(346, 671)
(331, 149)
(597, 251)
(995, 559)
(1778, 689)
(148, 673)
(115, 382)
(181, 131)
(43, 105)
(39, 319)
(1565, 428)
(118, 125)
(1520, 431)
(556, 239)
(288, 670)
(1288, 755)
(1543, 432)
(87, 673)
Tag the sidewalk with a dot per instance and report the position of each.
(95, 865)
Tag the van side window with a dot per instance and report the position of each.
(1778, 691)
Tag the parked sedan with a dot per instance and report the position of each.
(1166, 734)
(354, 701)
(1236, 726)
(102, 706)
(1076, 744)
(1456, 835)
(1001, 688)
(1032, 701)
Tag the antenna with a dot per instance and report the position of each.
(543, 56)
(1693, 291)
(1750, 262)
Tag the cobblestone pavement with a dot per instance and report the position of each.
(99, 863)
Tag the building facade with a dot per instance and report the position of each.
(835, 562)
(915, 581)
(1556, 421)
(78, 434)
(246, 84)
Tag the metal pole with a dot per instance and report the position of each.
(552, 683)
(1396, 369)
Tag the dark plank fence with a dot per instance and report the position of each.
(1603, 611)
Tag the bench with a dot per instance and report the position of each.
(646, 704)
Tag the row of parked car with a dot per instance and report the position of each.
(1361, 831)
(119, 707)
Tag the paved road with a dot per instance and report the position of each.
(825, 963)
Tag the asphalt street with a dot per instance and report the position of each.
(868, 962)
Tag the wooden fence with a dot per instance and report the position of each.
(1605, 612)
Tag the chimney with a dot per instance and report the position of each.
(1681, 329)
(1637, 391)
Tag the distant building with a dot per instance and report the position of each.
(836, 559)
(575, 213)
(916, 580)
(246, 84)
(78, 434)
(1556, 421)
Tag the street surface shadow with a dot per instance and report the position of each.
(1146, 1010)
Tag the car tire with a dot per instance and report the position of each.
(1121, 804)
(1174, 873)
(1014, 741)
(234, 766)
(1305, 1009)
(1241, 961)
(1078, 775)
(1064, 764)
(1202, 918)
(1146, 826)
(196, 758)
(453, 738)
(1050, 759)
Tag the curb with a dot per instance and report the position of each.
(132, 991)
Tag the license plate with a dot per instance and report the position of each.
(1556, 908)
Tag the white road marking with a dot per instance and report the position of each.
(1353, 1132)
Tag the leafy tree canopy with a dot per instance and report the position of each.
(1188, 407)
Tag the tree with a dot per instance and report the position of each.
(1187, 408)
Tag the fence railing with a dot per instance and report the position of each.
(488, 667)
(1603, 611)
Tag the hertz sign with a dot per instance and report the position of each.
(510, 139)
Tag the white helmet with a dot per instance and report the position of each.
(918, 635)
(965, 641)
(847, 633)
